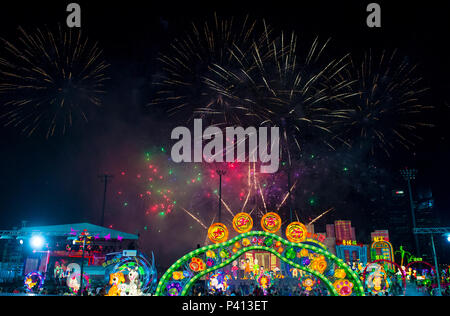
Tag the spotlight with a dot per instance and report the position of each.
(37, 242)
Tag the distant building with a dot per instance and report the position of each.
(343, 230)
(400, 219)
(380, 233)
(330, 231)
(341, 240)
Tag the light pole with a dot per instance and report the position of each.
(80, 293)
(84, 235)
(104, 178)
(408, 175)
(289, 192)
(436, 265)
(221, 173)
(431, 231)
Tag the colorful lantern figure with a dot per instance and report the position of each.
(174, 289)
(73, 272)
(218, 233)
(265, 282)
(210, 262)
(377, 281)
(291, 253)
(343, 287)
(58, 271)
(257, 241)
(255, 268)
(305, 261)
(339, 274)
(319, 264)
(308, 284)
(218, 282)
(115, 280)
(224, 253)
(246, 242)
(296, 232)
(210, 254)
(271, 222)
(294, 272)
(234, 270)
(33, 281)
(74, 282)
(177, 275)
(304, 253)
(73, 268)
(197, 265)
(268, 242)
(242, 223)
(139, 272)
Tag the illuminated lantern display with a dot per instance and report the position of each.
(224, 253)
(178, 275)
(115, 280)
(290, 253)
(305, 261)
(197, 265)
(377, 281)
(319, 264)
(246, 242)
(304, 253)
(218, 282)
(271, 222)
(265, 282)
(174, 289)
(339, 274)
(218, 233)
(33, 281)
(308, 284)
(210, 262)
(296, 232)
(242, 223)
(74, 282)
(382, 249)
(343, 287)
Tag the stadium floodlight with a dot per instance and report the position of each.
(37, 242)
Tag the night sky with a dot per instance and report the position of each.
(56, 181)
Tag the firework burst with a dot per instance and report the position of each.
(386, 110)
(295, 89)
(50, 80)
(193, 70)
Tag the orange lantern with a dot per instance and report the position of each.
(218, 233)
(242, 223)
(296, 232)
(271, 222)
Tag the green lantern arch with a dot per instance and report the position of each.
(183, 274)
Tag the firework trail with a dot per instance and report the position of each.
(386, 110)
(320, 216)
(50, 80)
